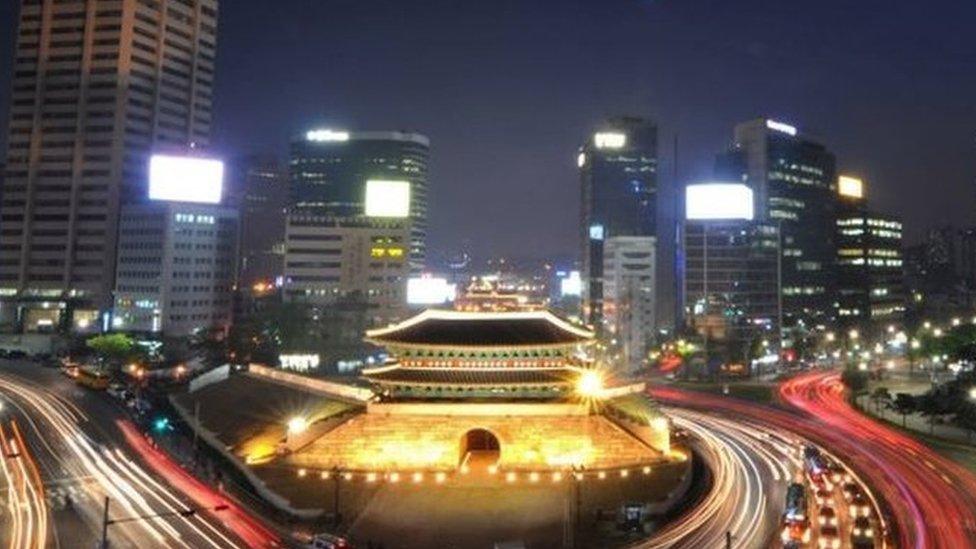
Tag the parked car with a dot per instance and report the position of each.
(328, 541)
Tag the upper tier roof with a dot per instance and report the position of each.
(481, 329)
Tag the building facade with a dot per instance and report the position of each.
(870, 268)
(258, 187)
(342, 260)
(176, 268)
(629, 297)
(329, 171)
(96, 88)
(794, 184)
(618, 183)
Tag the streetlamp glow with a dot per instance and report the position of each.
(972, 393)
(853, 334)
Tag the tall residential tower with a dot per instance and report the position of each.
(97, 86)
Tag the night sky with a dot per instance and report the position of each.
(507, 90)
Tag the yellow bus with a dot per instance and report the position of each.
(93, 379)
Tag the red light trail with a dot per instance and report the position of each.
(931, 499)
(246, 527)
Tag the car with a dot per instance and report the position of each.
(862, 533)
(827, 516)
(823, 496)
(16, 354)
(837, 473)
(117, 390)
(797, 531)
(829, 537)
(850, 489)
(328, 541)
(860, 506)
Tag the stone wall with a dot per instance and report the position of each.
(409, 442)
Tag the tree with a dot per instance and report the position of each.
(113, 349)
(903, 404)
(855, 380)
(880, 396)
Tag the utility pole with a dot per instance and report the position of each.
(104, 544)
(728, 540)
(196, 427)
(335, 497)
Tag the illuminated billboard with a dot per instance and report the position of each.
(428, 290)
(781, 127)
(718, 201)
(571, 285)
(387, 198)
(327, 135)
(609, 140)
(850, 186)
(185, 179)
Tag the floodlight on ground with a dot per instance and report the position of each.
(590, 384)
(297, 425)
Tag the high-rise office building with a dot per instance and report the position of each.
(176, 268)
(258, 188)
(731, 277)
(618, 183)
(346, 261)
(629, 296)
(97, 86)
(329, 171)
(793, 180)
(870, 263)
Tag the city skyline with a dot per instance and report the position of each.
(506, 124)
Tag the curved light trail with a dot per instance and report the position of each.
(763, 438)
(56, 426)
(933, 498)
(750, 467)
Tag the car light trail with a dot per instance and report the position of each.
(771, 439)
(26, 506)
(933, 498)
(99, 471)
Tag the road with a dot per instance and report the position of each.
(932, 498)
(750, 468)
(85, 450)
(752, 462)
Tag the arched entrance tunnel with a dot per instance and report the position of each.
(479, 449)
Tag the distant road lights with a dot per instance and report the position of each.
(927, 325)
(831, 337)
(891, 328)
(890, 365)
(937, 332)
(863, 366)
(956, 321)
(297, 425)
(916, 344)
(853, 334)
(972, 393)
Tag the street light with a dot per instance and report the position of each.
(297, 425)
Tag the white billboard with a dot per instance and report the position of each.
(185, 179)
(387, 198)
(850, 186)
(571, 285)
(718, 201)
(429, 290)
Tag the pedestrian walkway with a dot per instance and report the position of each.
(913, 422)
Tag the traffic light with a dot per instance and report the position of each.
(162, 424)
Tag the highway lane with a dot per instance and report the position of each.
(759, 448)
(750, 467)
(87, 450)
(933, 498)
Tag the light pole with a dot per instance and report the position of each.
(188, 512)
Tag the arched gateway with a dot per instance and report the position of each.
(480, 447)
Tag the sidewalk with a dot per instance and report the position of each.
(913, 422)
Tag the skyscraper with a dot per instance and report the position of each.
(730, 269)
(630, 296)
(96, 88)
(260, 191)
(870, 263)
(618, 182)
(793, 180)
(329, 170)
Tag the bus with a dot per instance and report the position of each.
(93, 379)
